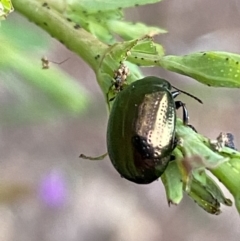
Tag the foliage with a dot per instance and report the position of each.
(5, 8)
(89, 28)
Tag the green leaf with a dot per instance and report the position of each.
(146, 52)
(96, 23)
(212, 187)
(229, 174)
(5, 8)
(199, 154)
(219, 69)
(204, 198)
(91, 6)
(128, 50)
(196, 148)
(106, 20)
(172, 181)
(129, 30)
(110, 62)
(187, 172)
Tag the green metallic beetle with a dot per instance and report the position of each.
(141, 129)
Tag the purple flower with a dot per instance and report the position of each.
(53, 189)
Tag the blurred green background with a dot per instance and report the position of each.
(49, 116)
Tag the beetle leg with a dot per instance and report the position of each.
(192, 127)
(172, 158)
(179, 104)
(98, 158)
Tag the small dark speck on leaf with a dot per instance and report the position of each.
(69, 19)
(45, 23)
(237, 62)
(45, 4)
(204, 54)
(136, 5)
(227, 59)
(77, 26)
(97, 56)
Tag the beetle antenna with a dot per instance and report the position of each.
(186, 93)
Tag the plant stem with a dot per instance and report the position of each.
(68, 33)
